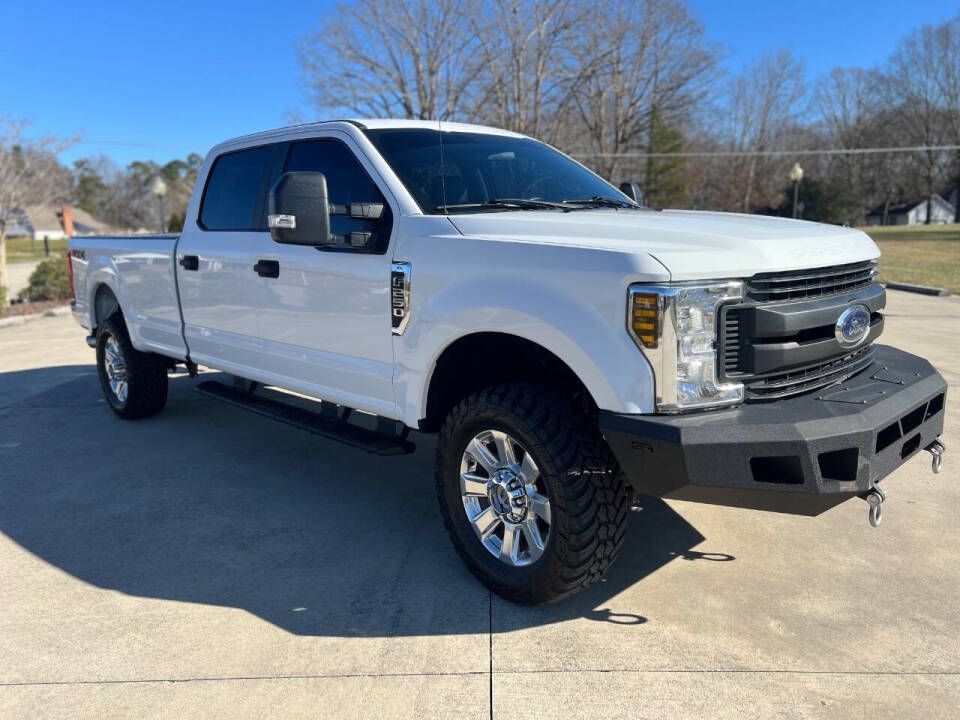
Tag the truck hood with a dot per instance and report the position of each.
(692, 245)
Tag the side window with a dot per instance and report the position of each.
(347, 182)
(233, 197)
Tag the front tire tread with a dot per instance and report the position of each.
(591, 503)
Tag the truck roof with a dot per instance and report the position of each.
(368, 123)
(447, 126)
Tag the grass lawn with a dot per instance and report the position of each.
(23, 249)
(924, 255)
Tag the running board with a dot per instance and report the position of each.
(329, 422)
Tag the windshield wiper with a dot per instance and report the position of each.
(601, 201)
(507, 204)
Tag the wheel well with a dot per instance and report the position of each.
(480, 360)
(105, 304)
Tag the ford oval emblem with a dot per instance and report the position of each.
(853, 326)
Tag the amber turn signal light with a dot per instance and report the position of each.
(645, 318)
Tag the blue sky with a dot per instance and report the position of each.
(159, 80)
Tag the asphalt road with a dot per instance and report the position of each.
(209, 563)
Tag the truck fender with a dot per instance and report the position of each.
(100, 279)
(600, 353)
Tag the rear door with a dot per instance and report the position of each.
(325, 318)
(215, 261)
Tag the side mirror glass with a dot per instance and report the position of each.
(633, 191)
(299, 210)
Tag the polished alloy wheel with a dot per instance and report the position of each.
(504, 498)
(116, 370)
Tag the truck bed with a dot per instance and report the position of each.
(139, 271)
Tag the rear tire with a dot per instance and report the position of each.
(134, 383)
(578, 532)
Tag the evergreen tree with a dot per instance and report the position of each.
(666, 179)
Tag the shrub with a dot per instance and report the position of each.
(50, 280)
(175, 224)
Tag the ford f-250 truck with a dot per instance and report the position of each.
(570, 346)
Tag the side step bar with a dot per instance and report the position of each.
(327, 423)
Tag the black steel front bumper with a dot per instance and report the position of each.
(802, 455)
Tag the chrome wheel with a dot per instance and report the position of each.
(504, 498)
(116, 369)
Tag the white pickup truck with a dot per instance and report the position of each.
(570, 346)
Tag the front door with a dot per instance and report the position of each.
(325, 318)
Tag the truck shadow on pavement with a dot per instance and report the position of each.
(206, 503)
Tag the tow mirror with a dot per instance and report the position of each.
(299, 210)
(633, 191)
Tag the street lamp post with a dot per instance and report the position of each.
(796, 174)
(159, 188)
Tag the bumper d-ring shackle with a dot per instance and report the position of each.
(875, 499)
(937, 449)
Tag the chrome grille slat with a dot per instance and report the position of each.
(826, 273)
(825, 281)
(820, 288)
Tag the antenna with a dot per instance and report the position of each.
(443, 168)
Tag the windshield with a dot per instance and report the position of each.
(485, 172)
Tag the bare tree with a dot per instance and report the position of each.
(853, 116)
(522, 84)
(393, 58)
(920, 89)
(762, 105)
(622, 83)
(30, 174)
(636, 61)
(946, 51)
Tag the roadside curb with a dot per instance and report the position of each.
(921, 289)
(24, 319)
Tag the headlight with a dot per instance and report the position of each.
(675, 326)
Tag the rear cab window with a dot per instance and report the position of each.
(234, 198)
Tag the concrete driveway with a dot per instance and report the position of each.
(209, 563)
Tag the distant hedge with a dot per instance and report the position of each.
(50, 280)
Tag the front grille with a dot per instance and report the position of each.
(801, 285)
(778, 385)
(743, 350)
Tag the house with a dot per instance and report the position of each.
(913, 213)
(85, 224)
(952, 196)
(47, 222)
(44, 222)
